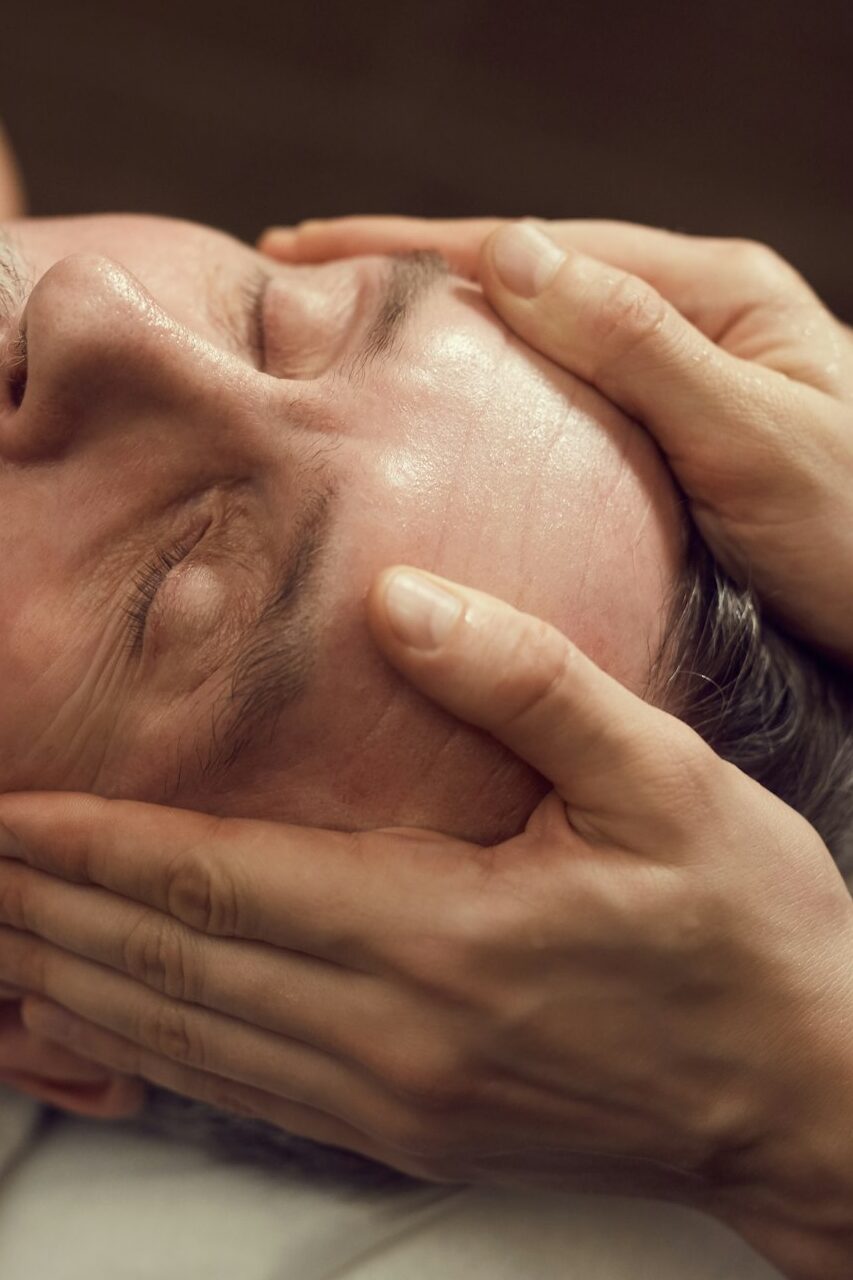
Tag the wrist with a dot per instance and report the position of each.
(792, 1200)
(786, 1186)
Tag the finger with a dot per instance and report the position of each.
(392, 1109)
(197, 1038)
(231, 977)
(740, 294)
(117, 1054)
(291, 887)
(615, 760)
(406, 1148)
(458, 239)
(705, 407)
(25, 1053)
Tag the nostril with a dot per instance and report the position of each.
(17, 369)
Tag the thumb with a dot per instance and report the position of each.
(617, 762)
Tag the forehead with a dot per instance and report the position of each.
(137, 236)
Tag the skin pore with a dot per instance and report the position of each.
(270, 437)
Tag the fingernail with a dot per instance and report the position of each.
(421, 613)
(525, 258)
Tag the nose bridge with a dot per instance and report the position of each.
(99, 352)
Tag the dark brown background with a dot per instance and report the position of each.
(723, 118)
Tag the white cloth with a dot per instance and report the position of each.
(88, 1201)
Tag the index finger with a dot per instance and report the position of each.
(342, 897)
(456, 239)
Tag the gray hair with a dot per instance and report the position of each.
(759, 698)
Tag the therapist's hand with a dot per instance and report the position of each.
(660, 968)
(717, 346)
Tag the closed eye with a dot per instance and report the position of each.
(255, 298)
(148, 581)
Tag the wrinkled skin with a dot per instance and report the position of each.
(144, 420)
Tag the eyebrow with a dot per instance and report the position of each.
(236, 309)
(409, 280)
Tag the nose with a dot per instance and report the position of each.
(99, 355)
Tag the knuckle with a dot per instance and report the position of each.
(761, 264)
(166, 1031)
(487, 927)
(13, 899)
(201, 894)
(717, 1127)
(455, 960)
(538, 660)
(630, 314)
(156, 953)
(690, 931)
(429, 1082)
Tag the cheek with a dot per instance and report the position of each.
(366, 751)
(433, 774)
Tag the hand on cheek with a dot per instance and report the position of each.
(657, 970)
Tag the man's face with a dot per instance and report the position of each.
(268, 438)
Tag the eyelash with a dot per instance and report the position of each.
(146, 584)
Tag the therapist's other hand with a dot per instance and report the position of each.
(717, 346)
(659, 969)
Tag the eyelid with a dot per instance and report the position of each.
(150, 578)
